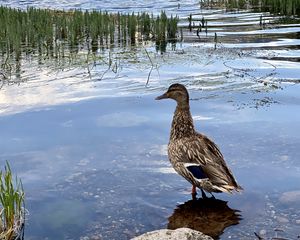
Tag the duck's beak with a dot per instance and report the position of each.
(165, 95)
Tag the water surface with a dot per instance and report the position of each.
(90, 144)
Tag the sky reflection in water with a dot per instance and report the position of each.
(80, 156)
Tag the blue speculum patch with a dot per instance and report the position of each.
(197, 172)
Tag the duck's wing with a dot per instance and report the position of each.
(203, 159)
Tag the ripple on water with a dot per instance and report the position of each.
(248, 56)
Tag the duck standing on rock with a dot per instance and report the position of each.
(193, 155)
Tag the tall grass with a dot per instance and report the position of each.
(61, 35)
(12, 205)
(283, 7)
(51, 33)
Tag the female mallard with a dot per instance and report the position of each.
(193, 155)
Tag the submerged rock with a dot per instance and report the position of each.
(178, 234)
(282, 219)
(290, 197)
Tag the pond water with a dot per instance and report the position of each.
(111, 6)
(90, 145)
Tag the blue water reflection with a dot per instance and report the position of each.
(98, 167)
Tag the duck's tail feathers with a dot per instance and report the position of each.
(239, 188)
(229, 188)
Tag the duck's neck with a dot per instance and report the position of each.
(182, 125)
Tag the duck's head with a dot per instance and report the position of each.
(177, 92)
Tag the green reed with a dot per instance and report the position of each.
(51, 33)
(283, 7)
(12, 205)
(62, 35)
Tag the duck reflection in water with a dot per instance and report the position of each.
(208, 215)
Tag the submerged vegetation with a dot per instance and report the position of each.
(12, 206)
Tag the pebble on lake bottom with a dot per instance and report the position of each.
(262, 232)
(282, 220)
(290, 197)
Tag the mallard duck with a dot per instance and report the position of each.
(193, 155)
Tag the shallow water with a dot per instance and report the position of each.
(88, 169)
(90, 144)
(111, 6)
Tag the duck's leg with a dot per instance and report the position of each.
(212, 196)
(203, 194)
(194, 192)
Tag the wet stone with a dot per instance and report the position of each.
(290, 197)
(282, 220)
(95, 238)
(178, 234)
(262, 232)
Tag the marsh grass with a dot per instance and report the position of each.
(50, 33)
(12, 205)
(282, 7)
(61, 36)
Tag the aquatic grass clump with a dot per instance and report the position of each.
(164, 30)
(12, 209)
(49, 32)
(283, 7)
(60, 35)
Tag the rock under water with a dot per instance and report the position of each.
(180, 234)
